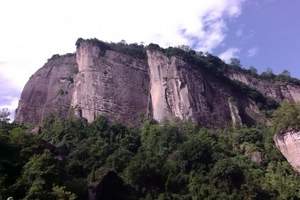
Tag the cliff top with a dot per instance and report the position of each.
(198, 58)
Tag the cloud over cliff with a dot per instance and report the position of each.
(31, 31)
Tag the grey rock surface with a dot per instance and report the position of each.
(126, 88)
(110, 84)
(48, 91)
(277, 90)
(288, 144)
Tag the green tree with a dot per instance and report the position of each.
(280, 177)
(235, 62)
(60, 193)
(286, 117)
(40, 173)
(253, 70)
(268, 73)
(285, 73)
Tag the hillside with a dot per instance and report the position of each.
(117, 121)
(72, 159)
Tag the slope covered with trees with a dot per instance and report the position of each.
(175, 160)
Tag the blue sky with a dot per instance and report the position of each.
(261, 33)
(266, 34)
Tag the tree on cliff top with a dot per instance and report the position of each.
(287, 117)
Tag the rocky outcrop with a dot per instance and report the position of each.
(235, 115)
(129, 83)
(169, 91)
(110, 83)
(289, 145)
(276, 90)
(48, 91)
(181, 90)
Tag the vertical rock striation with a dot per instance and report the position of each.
(109, 83)
(182, 90)
(128, 83)
(170, 96)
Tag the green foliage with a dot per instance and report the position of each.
(268, 74)
(197, 59)
(287, 117)
(253, 70)
(60, 193)
(134, 50)
(176, 160)
(285, 74)
(235, 62)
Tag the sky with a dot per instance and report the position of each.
(261, 33)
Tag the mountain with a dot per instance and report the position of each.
(127, 121)
(130, 82)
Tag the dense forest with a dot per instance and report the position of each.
(70, 159)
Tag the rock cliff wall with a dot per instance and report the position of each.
(180, 90)
(127, 84)
(49, 90)
(289, 145)
(111, 84)
(276, 90)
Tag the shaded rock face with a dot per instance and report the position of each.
(48, 91)
(100, 80)
(289, 145)
(276, 90)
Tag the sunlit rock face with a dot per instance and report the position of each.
(289, 145)
(180, 90)
(127, 87)
(110, 84)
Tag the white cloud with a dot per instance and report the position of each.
(11, 106)
(252, 52)
(34, 30)
(229, 53)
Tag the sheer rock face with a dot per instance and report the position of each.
(276, 90)
(125, 88)
(110, 84)
(289, 145)
(180, 90)
(48, 91)
(170, 97)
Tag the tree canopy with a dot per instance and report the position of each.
(155, 161)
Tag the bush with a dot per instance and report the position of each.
(287, 117)
(157, 161)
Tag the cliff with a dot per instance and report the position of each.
(110, 83)
(277, 90)
(128, 83)
(288, 144)
(48, 91)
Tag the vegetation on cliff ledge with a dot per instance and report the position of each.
(180, 160)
